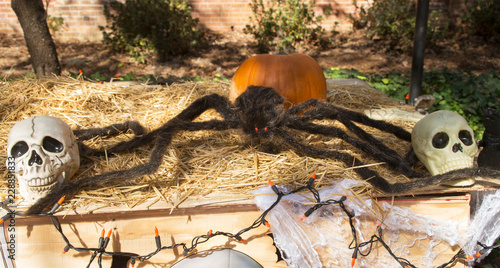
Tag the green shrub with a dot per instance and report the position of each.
(394, 21)
(463, 92)
(395, 84)
(143, 26)
(55, 23)
(483, 19)
(285, 25)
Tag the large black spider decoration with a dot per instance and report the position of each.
(260, 114)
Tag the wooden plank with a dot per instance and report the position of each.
(447, 208)
(40, 245)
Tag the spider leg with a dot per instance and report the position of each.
(345, 114)
(381, 125)
(385, 155)
(71, 188)
(378, 181)
(110, 131)
(182, 122)
(219, 103)
(366, 142)
(162, 138)
(403, 187)
(303, 106)
(366, 174)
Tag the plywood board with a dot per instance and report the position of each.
(447, 208)
(40, 245)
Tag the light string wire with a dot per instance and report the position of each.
(355, 245)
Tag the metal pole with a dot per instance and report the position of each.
(417, 66)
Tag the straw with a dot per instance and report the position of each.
(199, 165)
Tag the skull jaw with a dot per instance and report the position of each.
(454, 164)
(461, 182)
(33, 189)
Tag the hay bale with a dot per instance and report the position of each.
(197, 165)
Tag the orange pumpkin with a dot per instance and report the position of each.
(297, 77)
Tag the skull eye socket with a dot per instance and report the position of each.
(465, 137)
(19, 149)
(440, 140)
(52, 145)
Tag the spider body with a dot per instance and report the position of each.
(260, 114)
(259, 109)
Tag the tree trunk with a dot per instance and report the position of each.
(33, 19)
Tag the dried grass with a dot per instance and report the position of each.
(198, 166)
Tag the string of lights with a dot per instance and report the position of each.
(361, 248)
(103, 241)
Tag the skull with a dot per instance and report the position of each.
(45, 154)
(443, 141)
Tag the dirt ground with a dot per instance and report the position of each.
(225, 53)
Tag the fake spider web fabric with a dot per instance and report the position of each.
(323, 238)
(485, 226)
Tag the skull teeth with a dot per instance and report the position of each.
(42, 182)
(35, 185)
(456, 164)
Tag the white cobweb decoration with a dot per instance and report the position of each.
(323, 238)
(485, 226)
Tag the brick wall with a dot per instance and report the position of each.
(83, 17)
(220, 15)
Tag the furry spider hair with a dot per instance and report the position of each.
(260, 114)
